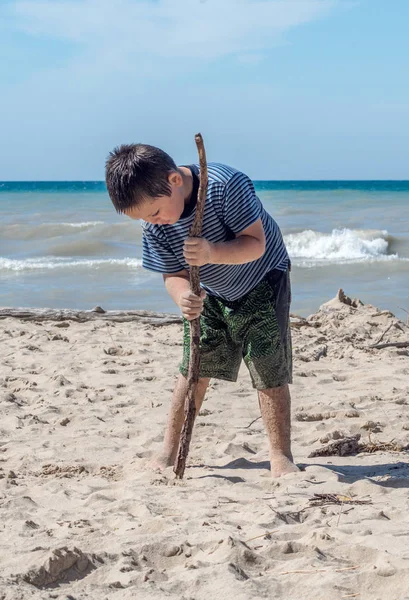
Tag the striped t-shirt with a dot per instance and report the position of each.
(231, 206)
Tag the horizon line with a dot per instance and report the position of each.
(260, 180)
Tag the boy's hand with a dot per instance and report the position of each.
(197, 251)
(191, 305)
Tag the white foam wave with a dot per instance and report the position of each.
(46, 263)
(80, 225)
(339, 246)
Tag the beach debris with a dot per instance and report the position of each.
(82, 316)
(371, 447)
(306, 417)
(98, 309)
(297, 321)
(349, 446)
(344, 447)
(250, 424)
(194, 355)
(325, 499)
(266, 535)
(391, 345)
(307, 571)
(117, 351)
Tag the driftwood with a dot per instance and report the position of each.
(194, 356)
(344, 447)
(349, 446)
(82, 316)
(99, 314)
(391, 345)
(325, 499)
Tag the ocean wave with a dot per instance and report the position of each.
(340, 246)
(125, 231)
(80, 225)
(48, 263)
(38, 231)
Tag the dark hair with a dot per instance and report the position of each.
(136, 172)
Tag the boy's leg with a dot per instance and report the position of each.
(167, 456)
(268, 356)
(275, 407)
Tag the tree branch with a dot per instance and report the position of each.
(194, 356)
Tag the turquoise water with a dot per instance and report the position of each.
(63, 245)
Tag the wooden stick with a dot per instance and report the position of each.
(380, 338)
(320, 570)
(194, 356)
(260, 536)
(391, 345)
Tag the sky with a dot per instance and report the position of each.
(280, 89)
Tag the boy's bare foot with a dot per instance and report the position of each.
(160, 462)
(281, 465)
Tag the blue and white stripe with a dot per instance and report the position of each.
(231, 206)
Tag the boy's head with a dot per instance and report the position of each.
(144, 183)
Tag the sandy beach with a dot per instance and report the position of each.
(83, 408)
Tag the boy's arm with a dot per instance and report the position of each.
(241, 212)
(248, 245)
(178, 287)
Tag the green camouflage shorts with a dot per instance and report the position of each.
(255, 328)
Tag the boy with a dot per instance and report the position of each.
(244, 304)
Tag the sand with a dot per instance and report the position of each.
(82, 517)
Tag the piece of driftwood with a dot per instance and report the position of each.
(99, 314)
(391, 345)
(297, 321)
(345, 447)
(194, 356)
(96, 314)
(308, 571)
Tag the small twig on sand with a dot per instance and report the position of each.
(340, 512)
(321, 570)
(250, 424)
(383, 334)
(327, 499)
(110, 335)
(407, 312)
(257, 537)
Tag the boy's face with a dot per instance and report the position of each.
(163, 210)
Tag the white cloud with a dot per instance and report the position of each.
(169, 29)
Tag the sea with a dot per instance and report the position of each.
(62, 245)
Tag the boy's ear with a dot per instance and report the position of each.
(175, 178)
